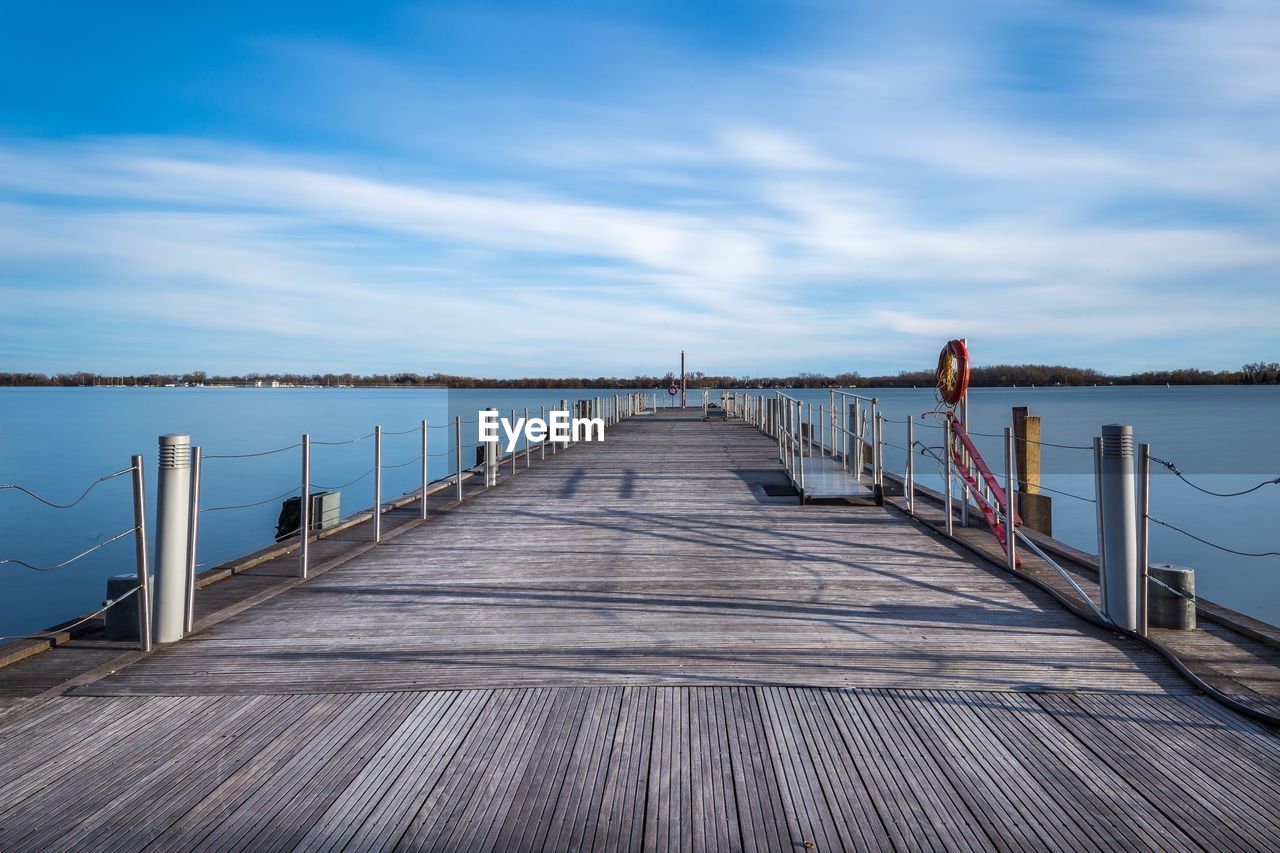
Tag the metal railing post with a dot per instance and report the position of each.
(878, 448)
(542, 445)
(304, 509)
(528, 448)
(193, 533)
(1098, 500)
(377, 484)
(457, 452)
(856, 440)
(946, 453)
(1010, 525)
(1144, 535)
(426, 477)
(911, 466)
(140, 556)
(514, 451)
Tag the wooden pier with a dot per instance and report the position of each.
(639, 644)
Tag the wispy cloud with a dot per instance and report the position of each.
(841, 203)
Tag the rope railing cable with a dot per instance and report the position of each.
(417, 458)
(83, 494)
(347, 441)
(1031, 441)
(387, 432)
(1045, 488)
(344, 485)
(239, 555)
(1183, 477)
(205, 457)
(68, 562)
(1213, 544)
(47, 635)
(255, 503)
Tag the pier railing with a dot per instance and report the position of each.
(166, 581)
(851, 429)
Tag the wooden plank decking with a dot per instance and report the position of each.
(632, 646)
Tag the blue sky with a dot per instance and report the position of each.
(550, 188)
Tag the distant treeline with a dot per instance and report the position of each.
(999, 375)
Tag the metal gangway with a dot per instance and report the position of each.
(829, 451)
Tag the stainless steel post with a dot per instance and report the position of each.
(822, 429)
(857, 438)
(1144, 535)
(1010, 526)
(1119, 520)
(426, 476)
(542, 445)
(911, 466)
(193, 534)
(528, 447)
(457, 451)
(946, 455)
(377, 484)
(1098, 499)
(515, 451)
(879, 449)
(140, 556)
(173, 501)
(304, 509)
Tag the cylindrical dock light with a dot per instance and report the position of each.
(1119, 526)
(172, 526)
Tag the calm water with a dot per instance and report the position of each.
(58, 440)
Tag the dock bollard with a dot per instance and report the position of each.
(173, 498)
(1119, 526)
(1171, 595)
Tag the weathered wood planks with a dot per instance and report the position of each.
(629, 768)
(653, 558)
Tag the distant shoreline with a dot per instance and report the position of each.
(994, 376)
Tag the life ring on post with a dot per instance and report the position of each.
(673, 390)
(953, 372)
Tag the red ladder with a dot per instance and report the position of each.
(993, 485)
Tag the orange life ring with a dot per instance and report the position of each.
(672, 390)
(953, 372)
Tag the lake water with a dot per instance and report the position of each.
(57, 440)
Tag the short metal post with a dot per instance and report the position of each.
(377, 484)
(426, 477)
(879, 449)
(1010, 526)
(304, 507)
(173, 501)
(1119, 521)
(1144, 536)
(140, 556)
(514, 452)
(528, 447)
(457, 449)
(857, 438)
(946, 455)
(1097, 503)
(542, 445)
(193, 533)
(911, 466)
